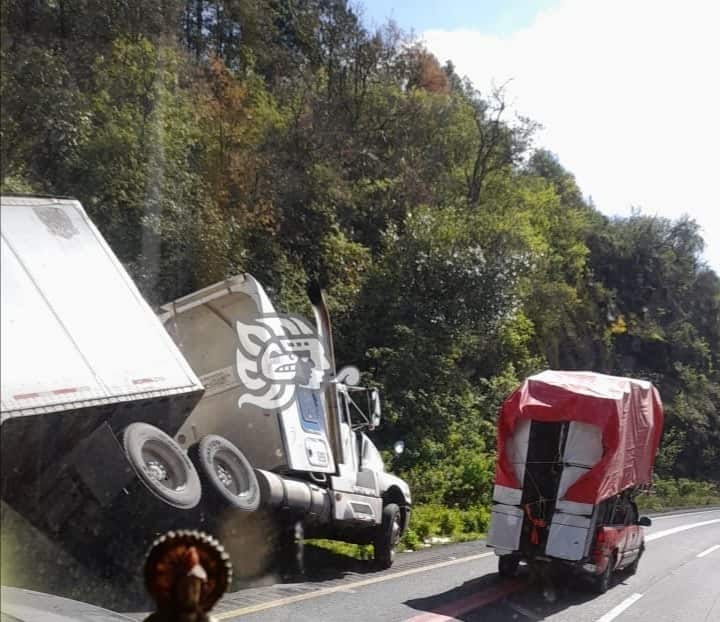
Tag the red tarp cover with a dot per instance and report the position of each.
(629, 413)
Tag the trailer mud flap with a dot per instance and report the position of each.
(101, 463)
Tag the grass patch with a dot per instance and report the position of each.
(427, 522)
(668, 494)
(356, 551)
(437, 521)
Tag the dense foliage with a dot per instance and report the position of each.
(284, 139)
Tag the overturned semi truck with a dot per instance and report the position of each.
(280, 430)
(112, 432)
(574, 449)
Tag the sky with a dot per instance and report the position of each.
(628, 92)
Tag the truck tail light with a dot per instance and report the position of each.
(599, 551)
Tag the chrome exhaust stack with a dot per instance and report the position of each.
(324, 330)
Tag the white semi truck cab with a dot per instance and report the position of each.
(279, 428)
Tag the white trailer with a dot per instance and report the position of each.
(93, 387)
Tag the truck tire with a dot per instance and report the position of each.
(388, 536)
(227, 476)
(508, 566)
(601, 582)
(162, 465)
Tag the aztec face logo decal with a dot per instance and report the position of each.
(276, 354)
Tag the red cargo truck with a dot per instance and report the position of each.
(574, 450)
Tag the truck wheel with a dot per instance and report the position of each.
(602, 581)
(632, 568)
(508, 566)
(226, 474)
(388, 536)
(162, 465)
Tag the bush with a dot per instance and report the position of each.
(451, 522)
(476, 519)
(432, 520)
(410, 540)
(422, 524)
(677, 493)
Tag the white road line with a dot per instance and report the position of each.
(664, 516)
(708, 551)
(616, 611)
(228, 615)
(668, 532)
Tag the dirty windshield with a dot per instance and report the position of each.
(359, 310)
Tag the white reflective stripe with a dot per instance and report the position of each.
(54, 392)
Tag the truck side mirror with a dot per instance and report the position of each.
(376, 409)
(644, 521)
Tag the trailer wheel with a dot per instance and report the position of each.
(508, 566)
(388, 536)
(602, 581)
(162, 465)
(227, 476)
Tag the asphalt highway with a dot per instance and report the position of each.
(678, 581)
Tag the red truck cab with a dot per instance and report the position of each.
(620, 543)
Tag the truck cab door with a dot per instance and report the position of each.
(359, 489)
(634, 533)
(351, 460)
